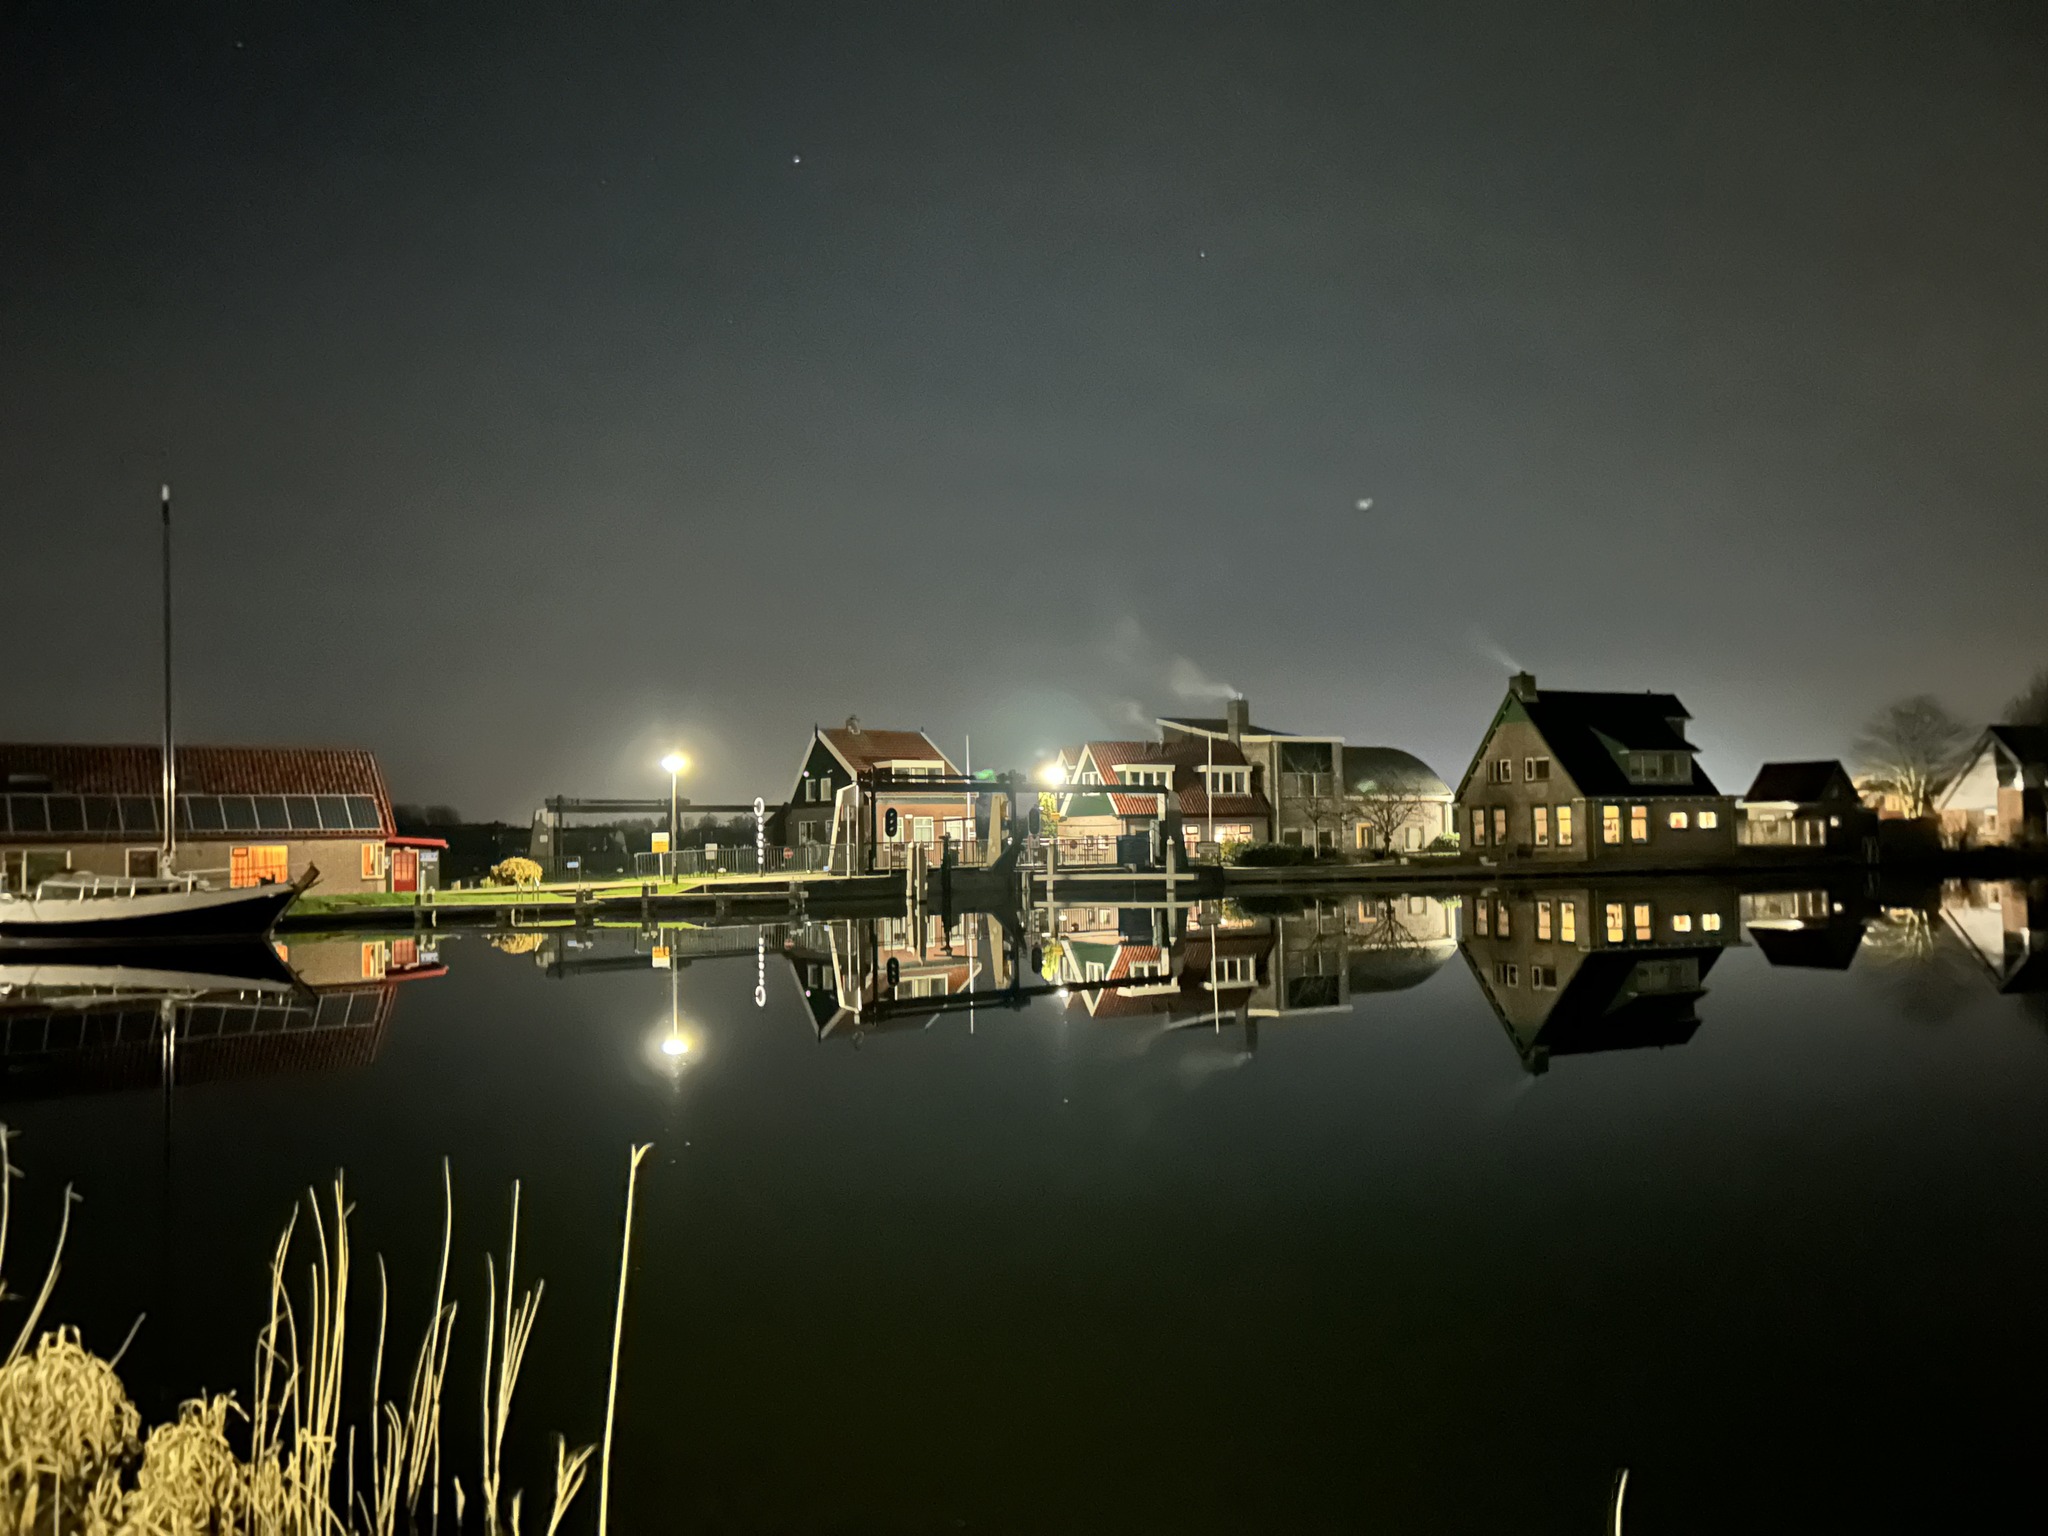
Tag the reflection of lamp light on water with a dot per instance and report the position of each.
(675, 1046)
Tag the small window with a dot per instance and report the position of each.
(1709, 820)
(1564, 826)
(333, 813)
(202, 812)
(1541, 818)
(1681, 922)
(1479, 829)
(303, 812)
(1610, 824)
(373, 861)
(142, 863)
(1500, 826)
(1507, 770)
(1710, 922)
(1543, 910)
(237, 813)
(1639, 823)
(1536, 769)
(1646, 921)
(1543, 978)
(1482, 917)
(1617, 922)
(1500, 920)
(1506, 973)
(1568, 923)
(1680, 821)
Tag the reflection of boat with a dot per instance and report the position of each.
(182, 969)
(73, 910)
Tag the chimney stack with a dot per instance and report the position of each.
(1237, 718)
(1523, 686)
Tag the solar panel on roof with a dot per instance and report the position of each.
(362, 810)
(138, 814)
(304, 814)
(237, 813)
(334, 812)
(201, 813)
(66, 814)
(270, 814)
(102, 813)
(29, 813)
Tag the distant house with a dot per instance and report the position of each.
(2004, 927)
(1615, 966)
(254, 814)
(1998, 796)
(1300, 776)
(1600, 778)
(1393, 801)
(826, 809)
(1813, 806)
(1118, 787)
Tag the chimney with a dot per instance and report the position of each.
(1523, 686)
(1237, 718)
(853, 725)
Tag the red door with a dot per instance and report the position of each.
(405, 869)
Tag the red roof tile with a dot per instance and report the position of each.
(131, 770)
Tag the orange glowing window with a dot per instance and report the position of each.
(373, 961)
(373, 861)
(261, 865)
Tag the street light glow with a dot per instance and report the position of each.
(675, 1045)
(675, 762)
(1052, 775)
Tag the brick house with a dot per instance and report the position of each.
(1999, 795)
(1114, 788)
(253, 813)
(1592, 778)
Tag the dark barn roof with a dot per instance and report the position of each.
(2027, 743)
(1579, 727)
(95, 770)
(1389, 771)
(1802, 783)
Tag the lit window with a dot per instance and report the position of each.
(1500, 826)
(1617, 927)
(1564, 826)
(1639, 823)
(373, 861)
(1710, 922)
(1500, 920)
(1610, 824)
(1709, 820)
(1542, 820)
(1482, 916)
(1681, 922)
(1646, 922)
(1543, 920)
(258, 866)
(1568, 922)
(1679, 821)
(1479, 829)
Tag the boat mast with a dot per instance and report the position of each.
(170, 766)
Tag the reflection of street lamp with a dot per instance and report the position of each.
(676, 764)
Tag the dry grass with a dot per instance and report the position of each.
(74, 1459)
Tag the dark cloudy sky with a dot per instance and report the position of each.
(542, 385)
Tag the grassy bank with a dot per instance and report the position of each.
(314, 904)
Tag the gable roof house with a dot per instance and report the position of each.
(1807, 808)
(1999, 795)
(827, 807)
(1605, 778)
(1115, 787)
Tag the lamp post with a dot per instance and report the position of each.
(675, 763)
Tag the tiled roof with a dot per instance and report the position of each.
(129, 770)
(1800, 783)
(865, 749)
(1186, 756)
(1216, 726)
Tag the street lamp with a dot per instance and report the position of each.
(676, 764)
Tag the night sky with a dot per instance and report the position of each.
(542, 386)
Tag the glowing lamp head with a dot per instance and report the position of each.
(1052, 775)
(675, 1045)
(675, 762)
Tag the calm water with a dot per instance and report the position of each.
(1329, 1222)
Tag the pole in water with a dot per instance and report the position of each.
(1614, 1514)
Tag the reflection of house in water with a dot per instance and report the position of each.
(104, 1028)
(1811, 928)
(1573, 970)
(2004, 927)
(862, 975)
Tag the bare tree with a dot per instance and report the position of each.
(2030, 705)
(1384, 812)
(1910, 748)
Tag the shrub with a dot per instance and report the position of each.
(1269, 855)
(1444, 842)
(515, 871)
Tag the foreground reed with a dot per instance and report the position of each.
(74, 1457)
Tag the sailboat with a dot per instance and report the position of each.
(79, 908)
